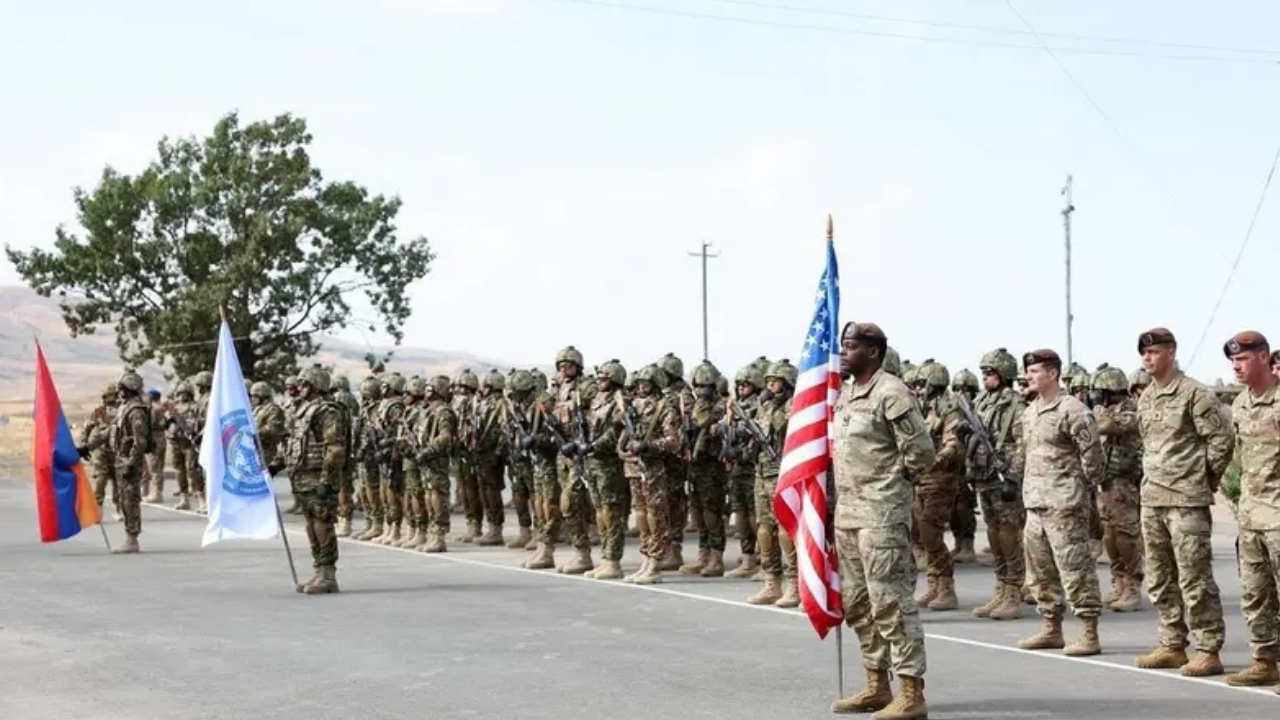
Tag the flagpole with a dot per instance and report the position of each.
(830, 543)
(105, 539)
(284, 536)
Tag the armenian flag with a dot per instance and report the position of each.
(64, 498)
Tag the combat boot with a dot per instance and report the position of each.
(533, 544)
(790, 594)
(644, 568)
(522, 540)
(877, 695)
(344, 527)
(672, 559)
(491, 537)
(129, 547)
(184, 502)
(1114, 593)
(963, 554)
(1129, 598)
(372, 532)
(580, 563)
(945, 599)
(714, 566)
(391, 536)
(651, 576)
(747, 567)
(471, 533)
(695, 567)
(1204, 664)
(1089, 643)
(204, 503)
(435, 543)
(1010, 607)
(327, 583)
(543, 559)
(608, 570)
(315, 576)
(1260, 673)
(1162, 658)
(922, 558)
(930, 592)
(155, 496)
(413, 539)
(997, 597)
(769, 594)
(1049, 637)
(909, 705)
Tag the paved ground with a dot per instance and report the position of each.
(181, 632)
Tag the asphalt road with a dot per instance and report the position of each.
(180, 632)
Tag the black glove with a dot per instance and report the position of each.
(569, 449)
(1106, 485)
(526, 442)
(636, 447)
(83, 451)
(1009, 490)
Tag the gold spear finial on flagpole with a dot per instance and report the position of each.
(831, 231)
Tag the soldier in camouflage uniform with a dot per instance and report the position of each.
(415, 492)
(490, 457)
(777, 553)
(935, 491)
(153, 479)
(437, 440)
(390, 415)
(567, 421)
(997, 484)
(741, 465)
(204, 386)
(340, 391)
(544, 449)
(1187, 446)
(702, 448)
(316, 455)
(131, 438)
(465, 387)
(1138, 381)
(651, 436)
(94, 446)
(1062, 462)
(677, 391)
(181, 427)
(366, 458)
(964, 522)
(272, 431)
(880, 446)
(1117, 417)
(1256, 414)
(605, 476)
(517, 407)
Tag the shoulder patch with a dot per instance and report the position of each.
(906, 425)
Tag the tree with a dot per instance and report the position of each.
(241, 219)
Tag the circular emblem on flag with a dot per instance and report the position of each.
(242, 471)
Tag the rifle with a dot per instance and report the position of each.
(689, 436)
(754, 430)
(631, 418)
(728, 449)
(1007, 487)
(562, 438)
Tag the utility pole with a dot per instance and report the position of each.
(1066, 227)
(704, 255)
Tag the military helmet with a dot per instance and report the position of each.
(415, 386)
(762, 364)
(521, 381)
(569, 354)
(783, 370)
(292, 381)
(1110, 379)
(672, 366)
(130, 381)
(316, 377)
(340, 382)
(1080, 381)
(613, 370)
(204, 380)
(631, 380)
(750, 375)
(495, 381)
(439, 385)
(539, 380)
(183, 388)
(650, 374)
(1139, 377)
(109, 392)
(892, 362)
(261, 390)
(705, 374)
(1002, 362)
(722, 386)
(370, 387)
(467, 379)
(935, 374)
(965, 380)
(910, 374)
(393, 382)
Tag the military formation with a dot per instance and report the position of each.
(1064, 466)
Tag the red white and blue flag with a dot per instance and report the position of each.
(800, 502)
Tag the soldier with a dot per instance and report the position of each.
(935, 491)
(707, 471)
(1062, 462)
(964, 523)
(516, 410)
(777, 553)
(1117, 416)
(651, 435)
(204, 385)
(181, 430)
(94, 446)
(465, 387)
(679, 501)
(490, 459)
(390, 414)
(366, 455)
(997, 484)
(608, 483)
(415, 492)
(1138, 381)
(1257, 420)
(736, 442)
(567, 423)
(966, 383)
(1187, 445)
(131, 438)
(543, 449)
(340, 391)
(1275, 364)
(437, 441)
(269, 417)
(316, 455)
(153, 478)
(881, 446)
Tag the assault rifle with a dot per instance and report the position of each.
(562, 438)
(754, 429)
(982, 436)
(630, 419)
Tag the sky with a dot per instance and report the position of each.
(565, 157)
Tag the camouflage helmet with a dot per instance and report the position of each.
(892, 362)
(722, 386)
(650, 374)
(109, 392)
(316, 377)
(204, 380)
(495, 381)
(571, 355)
(370, 388)
(1079, 381)
(521, 381)
(415, 387)
(292, 381)
(1110, 379)
(130, 381)
(467, 379)
(340, 382)
(783, 370)
(1002, 362)
(672, 366)
(183, 388)
(965, 380)
(750, 375)
(630, 384)
(705, 374)
(1070, 372)
(539, 380)
(910, 374)
(393, 382)
(261, 390)
(439, 386)
(762, 364)
(934, 374)
(1139, 378)
(613, 370)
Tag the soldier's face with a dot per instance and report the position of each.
(1275, 370)
(746, 389)
(567, 370)
(1158, 359)
(990, 379)
(1041, 378)
(1252, 366)
(856, 357)
(644, 388)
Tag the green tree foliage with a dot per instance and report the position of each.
(241, 219)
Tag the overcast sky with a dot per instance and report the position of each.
(565, 156)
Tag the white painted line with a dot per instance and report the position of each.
(446, 557)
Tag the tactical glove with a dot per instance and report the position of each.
(1009, 490)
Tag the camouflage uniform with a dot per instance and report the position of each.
(1118, 502)
(341, 393)
(935, 492)
(390, 415)
(270, 420)
(1187, 445)
(415, 492)
(366, 458)
(465, 387)
(130, 438)
(543, 450)
(490, 455)
(517, 407)
(153, 477)
(181, 427)
(94, 440)
(573, 400)
(679, 501)
(316, 454)
(652, 436)
(880, 446)
(437, 441)
(204, 385)
(741, 465)
(777, 552)
(964, 520)
(609, 488)
(708, 472)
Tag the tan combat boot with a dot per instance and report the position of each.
(695, 567)
(672, 559)
(643, 569)
(1088, 643)
(877, 695)
(930, 592)
(522, 540)
(533, 543)
(391, 536)
(413, 539)
(580, 563)
(714, 566)
(435, 543)
(945, 599)
(1204, 664)
(327, 583)
(1049, 637)
(651, 575)
(1162, 658)
(909, 705)
(608, 570)
(769, 594)
(790, 594)
(471, 533)
(543, 558)
(156, 495)
(964, 554)
(1010, 607)
(129, 547)
(1114, 593)
(315, 577)
(1260, 674)
(1129, 598)
(344, 527)
(491, 537)
(372, 532)
(997, 596)
(747, 567)
(184, 502)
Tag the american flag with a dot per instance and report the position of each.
(801, 499)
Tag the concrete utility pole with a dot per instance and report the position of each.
(1066, 227)
(704, 255)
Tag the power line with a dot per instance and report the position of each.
(900, 36)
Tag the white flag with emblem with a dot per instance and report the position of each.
(242, 502)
